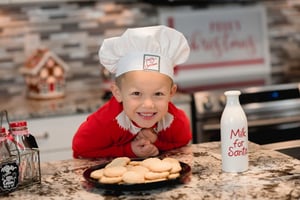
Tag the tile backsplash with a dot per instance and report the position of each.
(75, 30)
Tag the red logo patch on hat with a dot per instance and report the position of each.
(151, 62)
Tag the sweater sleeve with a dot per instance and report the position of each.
(89, 143)
(100, 136)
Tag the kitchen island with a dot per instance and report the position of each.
(271, 175)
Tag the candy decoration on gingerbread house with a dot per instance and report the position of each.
(44, 74)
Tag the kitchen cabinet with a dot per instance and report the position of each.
(54, 135)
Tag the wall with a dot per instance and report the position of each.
(75, 31)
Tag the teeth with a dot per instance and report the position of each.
(147, 114)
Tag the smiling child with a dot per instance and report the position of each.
(139, 120)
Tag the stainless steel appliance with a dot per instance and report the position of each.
(273, 114)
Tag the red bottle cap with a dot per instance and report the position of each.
(18, 124)
(2, 133)
(2, 130)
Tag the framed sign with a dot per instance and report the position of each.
(227, 44)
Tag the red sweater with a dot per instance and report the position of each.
(101, 135)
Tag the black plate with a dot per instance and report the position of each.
(184, 175)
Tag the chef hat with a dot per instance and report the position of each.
(155, 48)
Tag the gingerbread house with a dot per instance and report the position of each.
(44, 74)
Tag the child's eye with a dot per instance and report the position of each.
(136, 93)
(159, 94)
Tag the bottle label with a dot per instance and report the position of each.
(238, 145)
(9, 173)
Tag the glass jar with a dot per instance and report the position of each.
(9, 169)
(4, 149)
(19, 132)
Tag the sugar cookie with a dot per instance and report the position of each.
(110, 180)
(156, 175)
(114, 171)
(148, 161)
(133, 177)
(160, 166)
(97, 174)
(155, 180)
(176, 167)
(140, 169)
(120, 161)
(135, 162)
(173, 176)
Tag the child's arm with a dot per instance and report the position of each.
(177, 135)
(95, 139)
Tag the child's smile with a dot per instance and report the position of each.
(145, 96)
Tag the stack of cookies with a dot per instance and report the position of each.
(122, 170)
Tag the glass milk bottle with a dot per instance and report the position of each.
(234, 134)
(4, 149)
(19, 132)
(9, 171)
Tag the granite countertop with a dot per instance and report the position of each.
(271, 175)
(80, 97)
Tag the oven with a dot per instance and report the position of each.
(273, 113)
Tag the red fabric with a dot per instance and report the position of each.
(101, 136)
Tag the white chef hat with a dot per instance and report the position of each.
(155, 48)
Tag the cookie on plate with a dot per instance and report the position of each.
(160, 166)
(97, 174)
(155, 180)
(139, 169)
(176, 167)
(135, 162)
(173, 175)
(114, 171)
(148, 161)
(133, 177)
(120, 161)
(110, 180)
(156, 175)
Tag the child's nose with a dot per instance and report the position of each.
(148, 103)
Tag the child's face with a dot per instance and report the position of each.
(145, 96)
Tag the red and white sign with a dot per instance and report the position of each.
(228, 45)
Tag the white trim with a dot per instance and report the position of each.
(125, 123)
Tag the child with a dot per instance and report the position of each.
(139, 120)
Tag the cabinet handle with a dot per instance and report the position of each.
(42, 136)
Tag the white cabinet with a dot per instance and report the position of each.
(54, 135)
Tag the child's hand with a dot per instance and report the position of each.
(148, 134)
(143, 148)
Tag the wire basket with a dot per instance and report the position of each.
(22, 168)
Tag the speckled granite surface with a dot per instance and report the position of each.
(271, 175)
